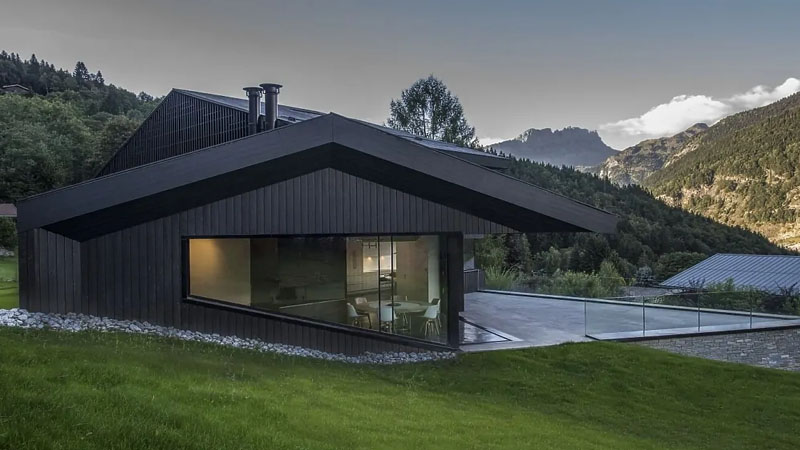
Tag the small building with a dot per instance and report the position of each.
(768, 273)
(15, 89)
(260, 220)
(8, 210)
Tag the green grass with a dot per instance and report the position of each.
(8, 268)
(93, 390)
(9, 294)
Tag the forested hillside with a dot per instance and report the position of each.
(742, 171)
(653, 240)
(65, 130)
(634, 164)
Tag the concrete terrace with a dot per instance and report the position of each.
(525, 320)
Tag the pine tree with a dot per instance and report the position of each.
(81, 73)
(430, 110)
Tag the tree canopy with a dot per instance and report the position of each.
(65, 130)
(430, 110)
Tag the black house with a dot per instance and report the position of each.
(238, 217)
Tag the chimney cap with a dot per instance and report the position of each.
(252, 89)
(271, 87)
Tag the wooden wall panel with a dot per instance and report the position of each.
(179, 124)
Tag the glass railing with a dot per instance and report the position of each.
(686, 313)
(619, 308)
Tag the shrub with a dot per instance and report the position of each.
(8, 233)
(491, 252)
(671, 263)
(606, 283)
(502, 279)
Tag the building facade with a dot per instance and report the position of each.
(319, 231)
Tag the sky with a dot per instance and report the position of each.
(631, 70)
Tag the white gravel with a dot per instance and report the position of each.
(22, 318)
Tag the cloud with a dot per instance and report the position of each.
(684, 111)
(491, 140)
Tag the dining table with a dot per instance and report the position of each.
(399, 306)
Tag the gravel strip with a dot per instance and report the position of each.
(78, 322)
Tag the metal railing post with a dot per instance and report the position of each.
(697, 301)
(585, 326)
(644, 319)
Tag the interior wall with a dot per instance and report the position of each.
(412, 270)
(220, 269)
(264, 272)
(434, 283)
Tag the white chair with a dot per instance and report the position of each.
(431, 320)
(355, 318)
(387, 318)
(437, 302)
(361, 300)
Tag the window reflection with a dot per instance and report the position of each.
(393, 284)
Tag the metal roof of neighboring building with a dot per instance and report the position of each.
(291, 114)
(763, 272)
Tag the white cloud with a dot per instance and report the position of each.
(491, 140)
(761, 95)
(684, 111)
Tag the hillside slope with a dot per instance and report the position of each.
(742, 171)
(635, 163)
(576, 147)
(112, 390)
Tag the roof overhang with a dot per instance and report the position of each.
(171, 185)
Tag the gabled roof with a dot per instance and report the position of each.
(123, 199)
(291, 114)
(763, 272)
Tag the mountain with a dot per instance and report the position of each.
(635, 163)
(576, 147)
(742, 171)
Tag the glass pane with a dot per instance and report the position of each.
(418, 288)
(299, 276)
(394, 284)
(363, 280)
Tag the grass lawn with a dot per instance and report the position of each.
(93, 390)
(9, 296)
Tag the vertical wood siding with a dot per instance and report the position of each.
(136, 273)
(179, 124)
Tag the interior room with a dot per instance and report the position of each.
(391, 284)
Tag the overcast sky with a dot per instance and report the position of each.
(631, 70)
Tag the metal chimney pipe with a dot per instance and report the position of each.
(271, 91)
(253, 107)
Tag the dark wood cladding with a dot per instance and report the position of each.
(136, 273)
(49, 272)
(180, 124)
(329, 201)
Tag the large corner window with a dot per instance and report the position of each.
(392, 284)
